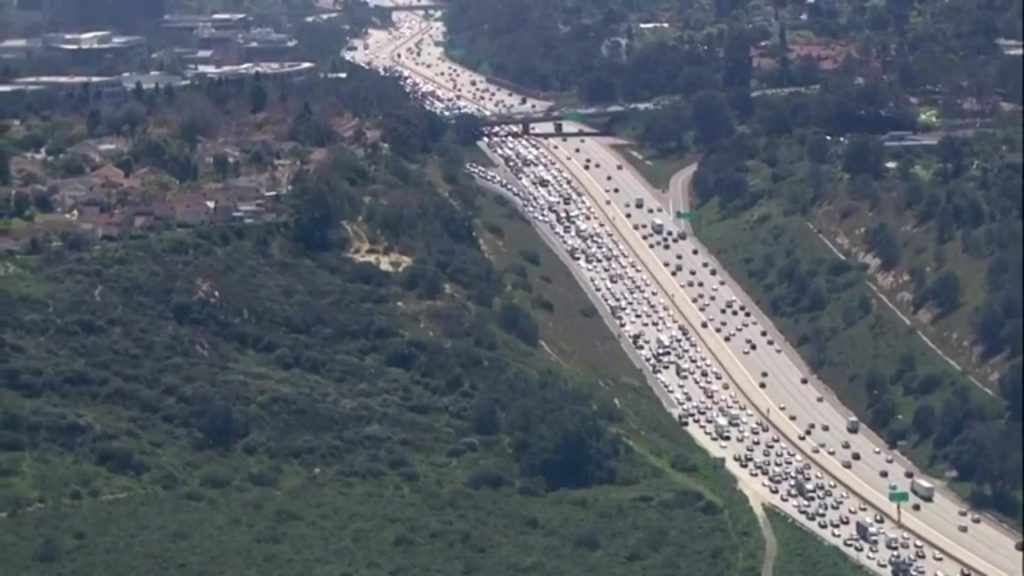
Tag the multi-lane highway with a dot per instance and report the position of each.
(790, 403)
(768, 377)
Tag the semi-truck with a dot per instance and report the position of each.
(722, 428)
(923, 489)
(657, 226)
(867, 532)
(852, 425)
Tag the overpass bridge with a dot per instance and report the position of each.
(558, 116)
(413, 7)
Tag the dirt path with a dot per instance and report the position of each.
(771, 546)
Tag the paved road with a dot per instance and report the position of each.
(985, 547)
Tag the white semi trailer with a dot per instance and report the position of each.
(922, 488)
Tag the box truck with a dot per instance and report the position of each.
(867, 532)
(923, 489)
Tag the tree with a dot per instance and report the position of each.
(945, 291)
(923, 421)
(467, 129)
(137, 92)
(884, 412)
(5, 166)
(221, 165)
(48, 551)
(953, 415)
(42, 201)
(1012, 390)
(737, 70)
(315, 218)
(93, 122)
(518, 322)
(485, 419)
(219, 426)
(257, 98)
(952, 150)
(599, 89)
(711, 117)
(566, 446)
(882, 240)
(863, 155)
(125, 164)
(876, 386)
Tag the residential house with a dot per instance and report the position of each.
(162, 212)
(71, 192)
(244, 188)
(10, 245)
(97, 151)
(828, 56)
(191, 210)
(113, 226)
(112, 177)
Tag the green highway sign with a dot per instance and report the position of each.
(681, 215)
(574, 116)
(897, 496)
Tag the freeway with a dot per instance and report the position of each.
(791, 405)
(985, 546)
(642, 310)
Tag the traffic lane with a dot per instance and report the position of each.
(829, 464)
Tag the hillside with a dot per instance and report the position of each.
(268, 408)
(762, 228)
(606, 50)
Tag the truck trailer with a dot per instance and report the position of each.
(923, 489)
(867, 532)
(852, 425)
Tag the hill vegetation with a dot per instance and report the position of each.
(267, 398)
(640, 49)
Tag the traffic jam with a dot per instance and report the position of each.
(700, 395)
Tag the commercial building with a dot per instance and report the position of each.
(264, 44)
(16, 49)
(181, 28)
(267, 70)
(233, 46)
(86, 49)
(102, 87)
(13, 97)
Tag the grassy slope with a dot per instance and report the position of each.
(349, 471)
(795, 556)
(744, 241)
